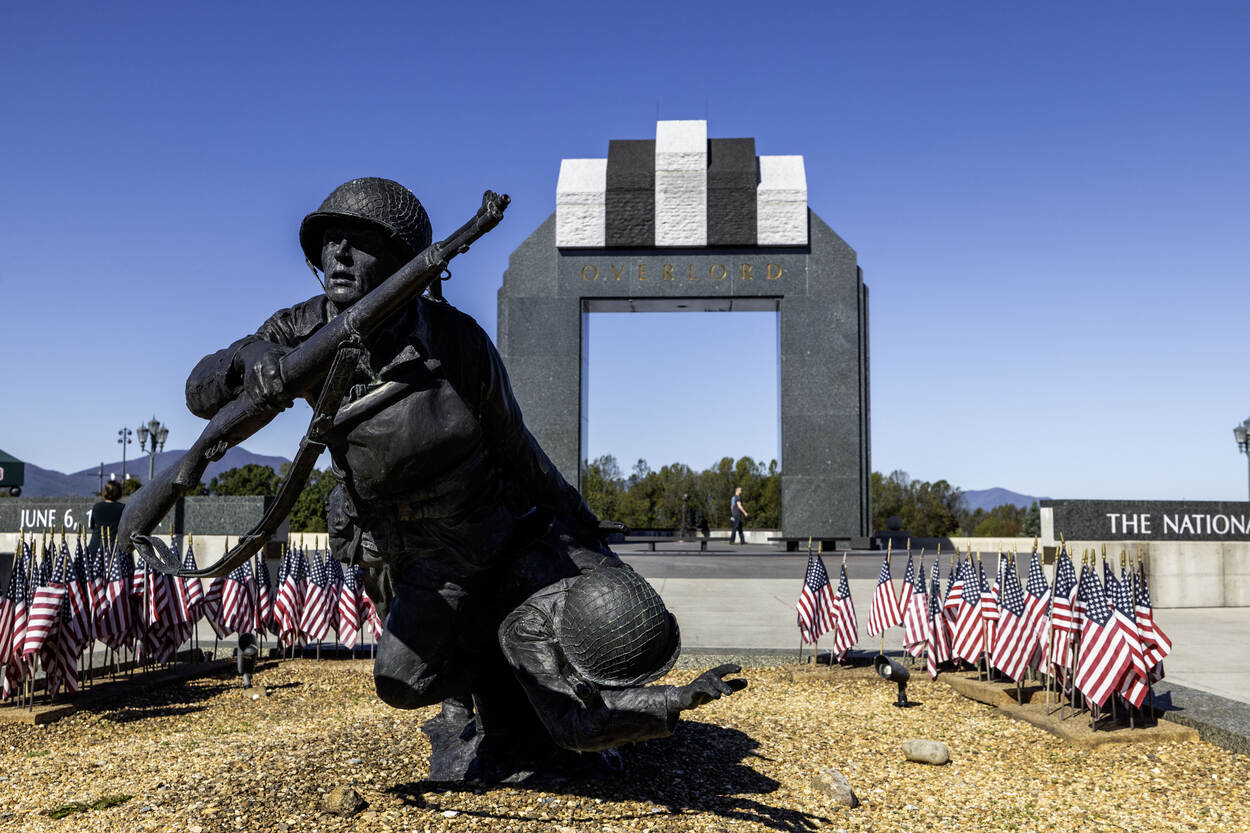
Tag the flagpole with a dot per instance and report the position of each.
(1076, 641)
(889, 551)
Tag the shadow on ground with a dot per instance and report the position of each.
(701, 768)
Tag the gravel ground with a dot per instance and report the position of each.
(201, 757)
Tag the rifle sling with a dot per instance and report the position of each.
(310, 448)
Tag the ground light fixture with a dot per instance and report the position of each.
(893, 671)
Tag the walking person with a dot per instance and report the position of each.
(739, 512)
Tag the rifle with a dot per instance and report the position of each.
(304, 368)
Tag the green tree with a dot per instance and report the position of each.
(130, 485)
(927, 510)
(309, 512)
(603, 487)
(252, 479)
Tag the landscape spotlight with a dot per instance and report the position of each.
(895, 673)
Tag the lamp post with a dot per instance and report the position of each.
(123, 437)
(1242, 434)
(157, 434)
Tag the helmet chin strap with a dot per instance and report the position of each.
(316, 274)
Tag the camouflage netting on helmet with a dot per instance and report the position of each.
(380, 202)
(615, 630)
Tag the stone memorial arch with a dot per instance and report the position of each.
(687, 223)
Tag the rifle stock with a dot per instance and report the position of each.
(303, 368)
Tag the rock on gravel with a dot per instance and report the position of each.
(834, 785)
(344, 801)
(926, 752)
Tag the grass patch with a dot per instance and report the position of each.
(38, 753)
(79, 807)
(67, 810)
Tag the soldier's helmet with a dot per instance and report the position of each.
(382, 203)
(615, 630)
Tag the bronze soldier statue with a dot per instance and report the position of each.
(443, 496)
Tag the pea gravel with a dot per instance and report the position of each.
(202, 757)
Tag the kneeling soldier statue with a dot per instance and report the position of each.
(458, 517)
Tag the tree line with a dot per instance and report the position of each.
(676, 496)
(937, 510)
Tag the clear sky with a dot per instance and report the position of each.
(1050, 203)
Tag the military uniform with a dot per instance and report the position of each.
(436, 466)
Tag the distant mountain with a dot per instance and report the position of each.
(42, 482)
(987, 499)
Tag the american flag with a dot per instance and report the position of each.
(1105, 655)
(6, 617)
(1088, 577)
(237, 612)
(1156, 642)
(1062, 624)
(815, 604)
(989, 600)
(847, 632)
(909, 581)
(211, 606)
(349, 609)
(16, 668)
(315, 620)
(1109, 581)
(334, 588)
(954, 589)
(939, 645)
(45, 608)
(98, 579)
(884, 612)
(116, 625)
(190, 591)
(289, 604)
(1012, 648)
(916, 612)
(77, 606)
(265, 621)
(1136, 682)
(1036, 601)
(371, 612)
(968, 634)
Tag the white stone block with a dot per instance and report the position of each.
(781, 202)
(581, 200)
(1236, 574)
(681, 183)
(1186, 573)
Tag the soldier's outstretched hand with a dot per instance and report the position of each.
(709, 686)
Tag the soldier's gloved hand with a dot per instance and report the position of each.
(709, 686)
(263, 381)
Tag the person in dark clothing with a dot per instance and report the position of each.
(105, 516)
(739, 513)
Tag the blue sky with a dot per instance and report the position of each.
(1049, 205)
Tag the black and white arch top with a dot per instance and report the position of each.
(681, 189)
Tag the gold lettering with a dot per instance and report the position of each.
(692, 277)
(770, 276)
(668, 271)
(642, 271)
(616, 272)
(746, 272)
(594, 276)
(711, 272)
